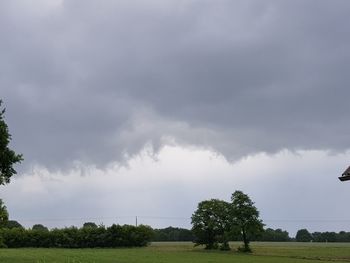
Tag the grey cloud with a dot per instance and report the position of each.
(93, 81)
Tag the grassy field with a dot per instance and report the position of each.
(184, 252)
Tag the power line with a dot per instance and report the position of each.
(101, 218)
(73, 219)
(154, 217)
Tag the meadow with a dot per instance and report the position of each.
(171, 252)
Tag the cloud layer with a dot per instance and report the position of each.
(291, 191)
(96, 81)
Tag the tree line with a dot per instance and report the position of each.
(88, 236)
(174, 234)
(303, 235)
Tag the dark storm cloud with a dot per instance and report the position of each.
(94, 81)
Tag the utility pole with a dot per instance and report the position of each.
(136, 221)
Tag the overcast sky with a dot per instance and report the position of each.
(125, 108)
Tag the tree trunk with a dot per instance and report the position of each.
(245, 240)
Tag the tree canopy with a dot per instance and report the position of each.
(72, 237)
(274, 235)
(39, 227)
(303, 235)
(245, 218)
(10, 224)
(4, 216)
(90, 224)
(211, 223)
(8, 157)
(172, 234)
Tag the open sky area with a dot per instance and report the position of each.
(145, 108)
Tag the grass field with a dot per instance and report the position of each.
(184, 252)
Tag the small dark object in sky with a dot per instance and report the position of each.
(346, 175)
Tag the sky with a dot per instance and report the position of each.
(145, 108)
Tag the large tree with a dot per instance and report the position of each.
(245, 218)
(210, 223)
(8, 157)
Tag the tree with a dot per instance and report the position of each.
(277, 235)
(8, 158)
(211, 223)
(90, 225)
(303, 235)
(172, 234)
(40, 227)
(13, 224)
(4, 216)
(245, 218)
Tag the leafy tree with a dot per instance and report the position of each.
(210, 223)
(303, 235)
(4, 216)
(245, 218)
(7, 156)
(90, 224)
(13, 224)
(39, 227)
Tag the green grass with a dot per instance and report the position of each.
(186, 253)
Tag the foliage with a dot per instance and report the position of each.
(342, 236)
(172, 234)
(3, 220)
(303, 236)
(324, 237)
(277, 235)
(8, 158)
(72, 237)
(4, 216)
(90, 224)
(13, 224)
(245, 218)
(215, 222)
(210, 223)
(39, 227)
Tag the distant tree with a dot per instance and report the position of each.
(8, 158)
(172, 234)
(4, 216)
(343, 236)
(210, 223)
(303, 235)
(90, 224)
(13, 224)
(40, 227)
(245, 218)
(277, 235)
(326, 237)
